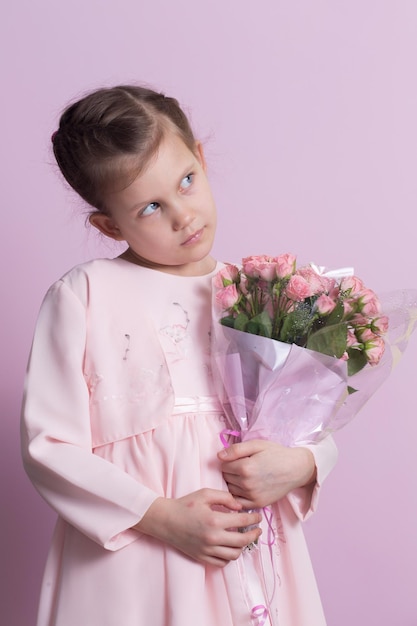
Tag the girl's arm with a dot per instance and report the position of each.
(96, 497)
(261, 472)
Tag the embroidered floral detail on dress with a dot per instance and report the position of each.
(127, 350)
(141, 383)
(177, 332)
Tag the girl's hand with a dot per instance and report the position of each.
(260, 472)
(202, 525)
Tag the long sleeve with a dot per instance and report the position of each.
(304, 500)
(95, 496)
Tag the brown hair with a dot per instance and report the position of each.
(107, 138)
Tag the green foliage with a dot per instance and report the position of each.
(329, 340)
(260, 325)
(357, 361)
(296, 326)
(336, 315)
(241, 321)
(229, 321)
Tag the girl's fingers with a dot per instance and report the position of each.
(243, 496)
(232, 480)
(221, 555)
(220, 498)
(241, 450)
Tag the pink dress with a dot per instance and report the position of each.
(119, 409)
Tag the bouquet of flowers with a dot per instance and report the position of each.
(297, 351)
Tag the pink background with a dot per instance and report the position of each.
(308, 113)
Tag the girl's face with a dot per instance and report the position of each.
(167, 215)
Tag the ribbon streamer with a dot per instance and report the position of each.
(259, 612)
(224, 433)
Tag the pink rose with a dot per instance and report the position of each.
(330, 286)
(250, 265)
(334, 291)
(380, 325)
(318, 284)
(298, 288)
(359, 320)
(267, 271)
(259, 267)
(348, 308)
(351, 284)
(226, 276)
(243, 284)
(325, 304)
(351, 339)
(365, 334)
(369, 303)
(374, 350)
(285, 265)
(227, 297)
(268, 268)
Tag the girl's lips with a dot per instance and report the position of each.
(193, 238)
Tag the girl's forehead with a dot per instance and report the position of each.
(172, 145)
(171, 161)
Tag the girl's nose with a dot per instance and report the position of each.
(182, 217)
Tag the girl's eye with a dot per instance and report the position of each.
(149, 209)
(187, 181)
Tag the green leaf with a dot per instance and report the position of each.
(357, 361)
(265, 330)
(329, 340)
(265, 324)
(228, 321)
(252, 328)
(241, 321)
(263, 318)
(296, 325)
(336, 315)
(260, 325)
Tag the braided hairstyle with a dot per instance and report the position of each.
(107, 138)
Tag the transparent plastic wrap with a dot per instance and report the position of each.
(277, 391)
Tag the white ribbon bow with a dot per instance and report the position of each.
(338, 274)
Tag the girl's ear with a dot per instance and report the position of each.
(105, 225)
(200, 155)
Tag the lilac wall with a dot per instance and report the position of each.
(308, 110)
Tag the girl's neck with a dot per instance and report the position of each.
(199, 268)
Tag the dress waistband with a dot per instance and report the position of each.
(195, 404)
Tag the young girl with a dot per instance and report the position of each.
(121, 426)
